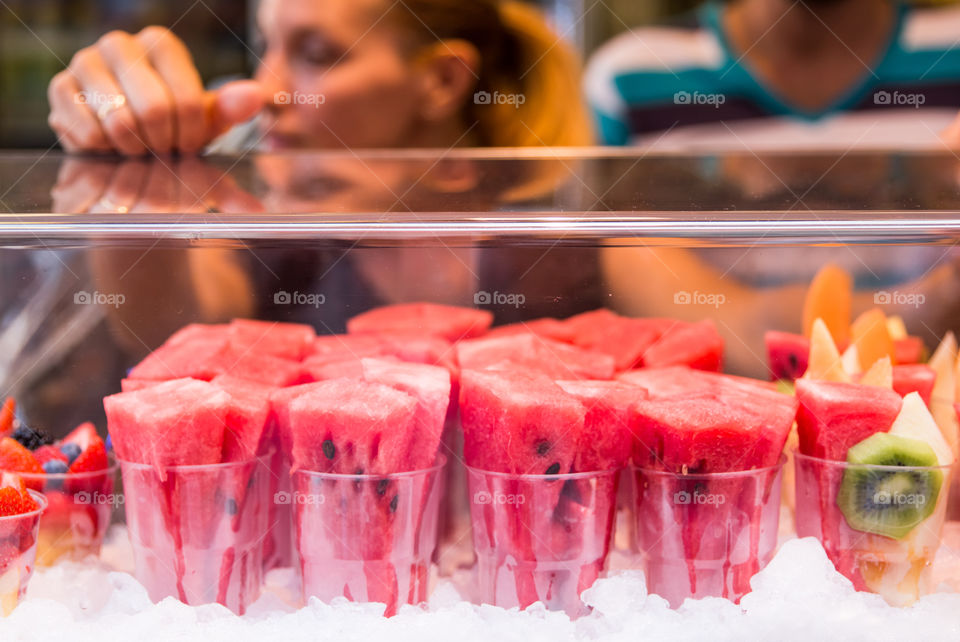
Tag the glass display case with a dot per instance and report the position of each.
(102, 260)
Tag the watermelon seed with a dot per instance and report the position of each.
(329, 450)
(382, 487)
(393, 503)
(231, 506)
(543, 448)
(554, 468)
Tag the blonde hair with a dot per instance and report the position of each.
(535, 74)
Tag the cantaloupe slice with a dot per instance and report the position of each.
(851, 361)
(944, 394)
(825, 363)
(869, 333)
(896, 327)
(829, 298)
(880, 374)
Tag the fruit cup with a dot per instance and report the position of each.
(197, 531)
(278, 543)
(77, 515)
(541, 537)
(880, 525)
(705, 535)
(18, 549)
(369, 538)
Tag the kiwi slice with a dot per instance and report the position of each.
(888, 501)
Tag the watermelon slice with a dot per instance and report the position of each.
(833, 417)
(246, 418)
(787, 355)
(545, 327)
(198, 332)
(193, 358)
(449, 322)
(682, 381)
(531, 352)
(624, 339)
(909, 350)
(607, 437)
(518, 422)
(262, 368)
(697, 345)
(178, 422)
(915, 377)
(286, 340)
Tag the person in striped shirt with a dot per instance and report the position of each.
(782, 74)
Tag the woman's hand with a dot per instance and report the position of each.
(139, 93)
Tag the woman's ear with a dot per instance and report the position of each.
(449, 71)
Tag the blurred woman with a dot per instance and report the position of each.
(335, 73)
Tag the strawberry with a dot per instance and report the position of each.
(11, 501)
(83, 435)
(16, 458)
(6, 416)
(93, 459)
(43, 454)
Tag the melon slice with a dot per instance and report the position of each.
(916, 422)
(787, 355)
(944, 391)
(880, 374)
(870, 335)
(246, 417)
(352, 427)
(518, 422)
(697, 345)
(681, 381)
(194, 358)
(531, 352)
(178, 422)
(896, 327)
(450, 322)
(262, 368)
(286, 340)
(198, 331)
(545, 327)
(825, 363)
(919, 378)
(829, 298)
(834, 416)
(624, 339)
(607, 437)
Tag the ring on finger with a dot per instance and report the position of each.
(110, 206)
(110, 105)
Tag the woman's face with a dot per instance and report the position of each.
(335, 75)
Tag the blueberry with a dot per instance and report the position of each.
(55, 467)
(71, 450)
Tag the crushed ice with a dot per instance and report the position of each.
(799, 596)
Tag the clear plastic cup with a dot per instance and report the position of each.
(197, 531)
(705, 535)
(369, 538)
(278, 545)
(78, 512)
(899, 569)
(18, 534)
(541, 538)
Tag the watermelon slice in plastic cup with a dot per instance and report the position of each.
(365, 514)
(539, 354)
(195, 523)
(707, 481)
(541, 529)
